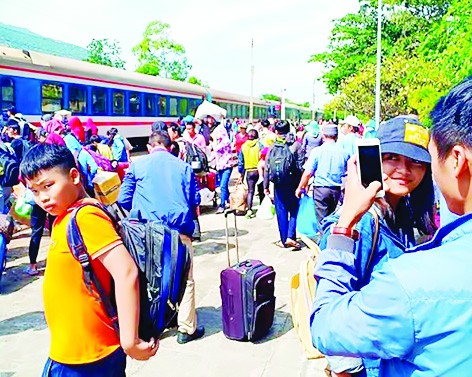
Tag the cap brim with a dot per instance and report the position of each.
(408, 150)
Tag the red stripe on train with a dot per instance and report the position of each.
(96, 80)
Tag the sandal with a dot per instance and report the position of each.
(294, 244)
(280, 244)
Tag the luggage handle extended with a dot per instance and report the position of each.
(227, 213)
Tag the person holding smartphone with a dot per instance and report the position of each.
(407, 205)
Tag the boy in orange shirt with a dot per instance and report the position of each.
(83, 340)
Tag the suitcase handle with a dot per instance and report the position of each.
(227, 213)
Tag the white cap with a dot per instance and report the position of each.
(351, 120)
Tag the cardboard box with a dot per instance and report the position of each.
(107, 187)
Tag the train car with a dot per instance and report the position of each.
(38, 84)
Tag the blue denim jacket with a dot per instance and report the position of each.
(389, 244)
(415, 314)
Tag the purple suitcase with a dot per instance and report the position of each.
(247, 296)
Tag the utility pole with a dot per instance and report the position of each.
(282, 105)
(251, 103)
(379, 64)
(313, 112)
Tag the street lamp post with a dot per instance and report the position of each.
(251, 103)
(379, 63)
(282, 105)
(313, 113)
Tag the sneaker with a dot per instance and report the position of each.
(31, 271)
(220, 210)
(183, 338)
(250, 214)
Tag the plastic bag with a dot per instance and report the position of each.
(237, 199)
(22, 210)
(266, 210)
(306, 219)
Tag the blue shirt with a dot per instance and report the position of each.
(415, 314)
(163, 188)
(328, 164)
(348, 143)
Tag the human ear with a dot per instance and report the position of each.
(74, 174)
(461, 159)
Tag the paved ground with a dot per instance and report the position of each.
(24, 338)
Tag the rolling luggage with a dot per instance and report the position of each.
(247, 295)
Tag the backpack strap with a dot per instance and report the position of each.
(375, 238)
(80, 253)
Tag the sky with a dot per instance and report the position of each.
(215, 33)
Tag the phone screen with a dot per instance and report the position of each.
(370, 164)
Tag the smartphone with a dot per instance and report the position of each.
(369, 163)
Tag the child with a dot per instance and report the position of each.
(83, 341)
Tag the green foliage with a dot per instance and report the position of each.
(270, 97)
(427, 51)
(105, 52)
(159, 55)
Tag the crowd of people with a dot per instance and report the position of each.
(393, 293)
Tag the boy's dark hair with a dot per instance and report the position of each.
(46, 157)
(452, 119)
(160, 138)
(95, 139)
(253, 134)
(282, 127)
(265, 123)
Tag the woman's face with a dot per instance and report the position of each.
(403, 174)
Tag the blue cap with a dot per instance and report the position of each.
(188, 119)
(405, 136)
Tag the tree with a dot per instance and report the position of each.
(159, 55)
(270, 97)
(105, 52)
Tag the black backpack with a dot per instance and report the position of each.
(281, 163)
(11, 168)
(196, 158)
(163, 262)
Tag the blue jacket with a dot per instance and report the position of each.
(415, 314)
(87, 165)
(118, 149)
(162, 187)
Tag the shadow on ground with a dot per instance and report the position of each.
(15, 279)
(23, 322)
(210, 317)
(220, 234)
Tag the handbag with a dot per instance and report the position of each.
(306, 218)
(237, 199)
(266, 210)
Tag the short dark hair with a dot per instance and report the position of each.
(282, 127)
(175, 127)
(46, 157)
(160, 138)
(452, 119)
(15, 127)
(95, 139)
(253, 134)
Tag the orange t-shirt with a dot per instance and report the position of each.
(81, 332)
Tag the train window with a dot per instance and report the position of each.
(173, 106)
(8, 93)
(134, 103)
(99, 101)
(118, 103)
(162, 106)
(51, 97)
(77, 99)
(149, 105)
(183, 104)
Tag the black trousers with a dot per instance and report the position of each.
(326, 200)
(252, 177)
(38, 221)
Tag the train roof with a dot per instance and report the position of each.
(32, 60)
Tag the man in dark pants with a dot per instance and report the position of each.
(327, 164)
(286, 203)
(38, 222)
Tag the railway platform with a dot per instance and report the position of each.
(24, 338)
